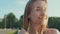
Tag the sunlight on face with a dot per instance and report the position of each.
(39, 13)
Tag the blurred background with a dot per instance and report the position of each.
(12, 12)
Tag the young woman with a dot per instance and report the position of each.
(36, 18)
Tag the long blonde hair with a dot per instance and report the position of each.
(27, 12)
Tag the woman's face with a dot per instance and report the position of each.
(38, 13)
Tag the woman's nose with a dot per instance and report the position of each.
(42, 13)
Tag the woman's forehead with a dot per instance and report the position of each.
(39, 3)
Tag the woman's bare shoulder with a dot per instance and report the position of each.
(22, 31)
(52, 31)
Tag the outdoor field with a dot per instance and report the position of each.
(34, 14)
(8, 31)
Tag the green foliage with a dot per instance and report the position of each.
(13, 22)
(54, 22)
(10, 20)
(1, 25)
(20, 23)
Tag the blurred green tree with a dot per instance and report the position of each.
(11, 20)
(4, 20)
(54, 22)
(20, 23)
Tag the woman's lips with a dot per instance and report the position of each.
(42, 17)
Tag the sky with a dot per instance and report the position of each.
(17, 7)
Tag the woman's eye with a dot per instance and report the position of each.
(38, 9)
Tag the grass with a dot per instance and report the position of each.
(11, 32)
(8, 31)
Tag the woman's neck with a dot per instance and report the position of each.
(33, 30)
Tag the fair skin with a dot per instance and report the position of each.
(38, 19)
(38, 15)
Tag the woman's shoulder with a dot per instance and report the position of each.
(52, 31)
(22, 31)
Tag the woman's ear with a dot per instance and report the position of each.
(29, 18)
